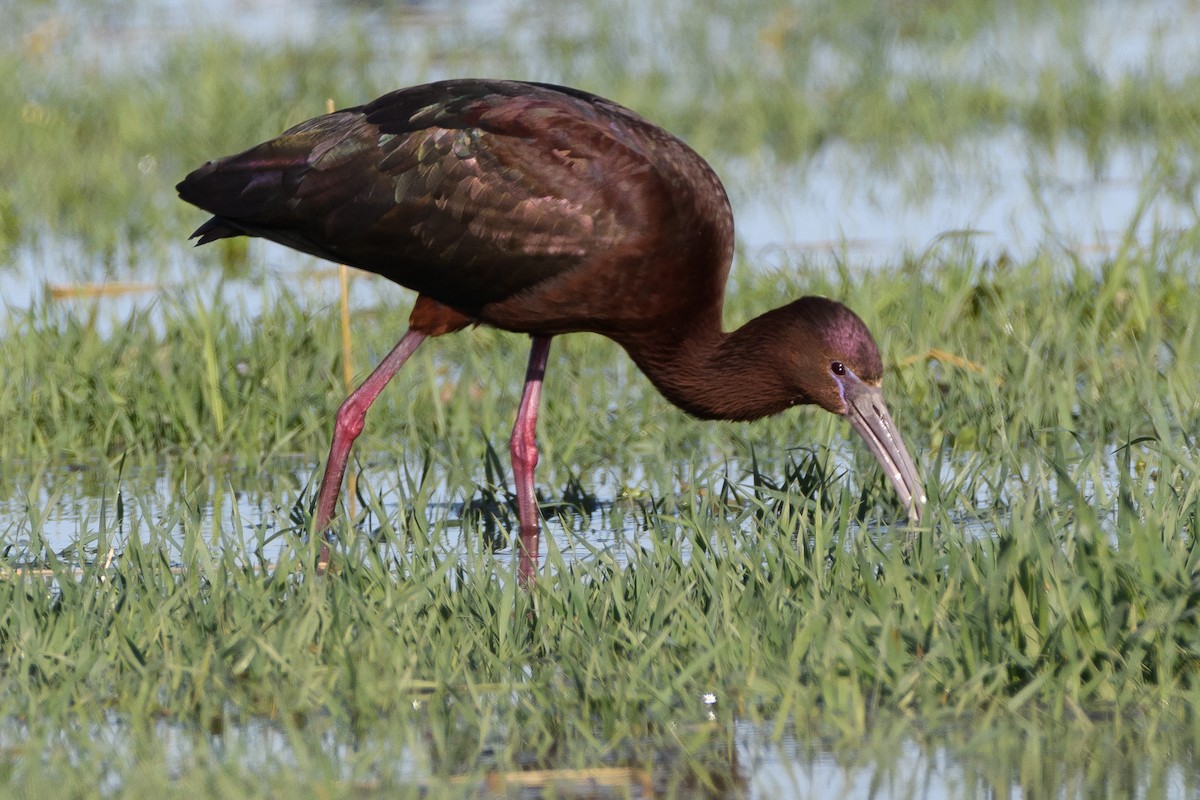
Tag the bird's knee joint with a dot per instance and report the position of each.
(524, 452)
(350, 419)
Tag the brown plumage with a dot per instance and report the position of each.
(545, 210)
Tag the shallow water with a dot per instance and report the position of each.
(722, 759)
(611, 514)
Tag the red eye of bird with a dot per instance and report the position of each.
(837, 368)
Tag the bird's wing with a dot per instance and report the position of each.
(468, 192)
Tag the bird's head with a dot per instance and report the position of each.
(835, 363)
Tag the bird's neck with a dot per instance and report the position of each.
(714, 374)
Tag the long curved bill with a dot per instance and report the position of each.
(869, 416)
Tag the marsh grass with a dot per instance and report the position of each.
(1056, 579)
(1041, 626)
(784, 615)
(1074, 593)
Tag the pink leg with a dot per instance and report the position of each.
(523, 448)
(349, 424)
